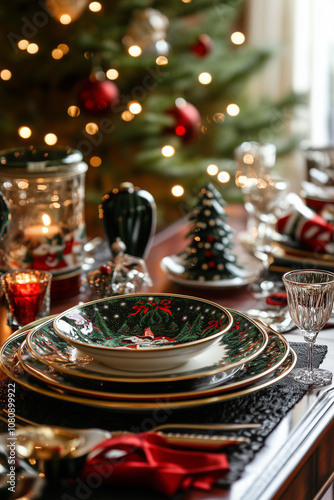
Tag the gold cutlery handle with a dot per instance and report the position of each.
(202, 441)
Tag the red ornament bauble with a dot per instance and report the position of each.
(97, 96)
(187, 121)
(203, 46)
(211, 264)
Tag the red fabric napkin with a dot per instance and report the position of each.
(150, 462)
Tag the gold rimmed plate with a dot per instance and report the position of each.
(144, 332)
(244, 341)
(12, 367)
(294, 255)
(273, 355)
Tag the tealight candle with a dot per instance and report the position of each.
(38, 232)
(27, 294)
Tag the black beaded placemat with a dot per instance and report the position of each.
(266, 406)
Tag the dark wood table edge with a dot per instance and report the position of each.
(303, 453)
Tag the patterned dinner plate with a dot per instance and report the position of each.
(144, 332)
(12, 367)
(244, 341)
(273, 355)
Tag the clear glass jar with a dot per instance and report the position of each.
(45, 189)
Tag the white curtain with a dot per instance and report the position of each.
(304, 31)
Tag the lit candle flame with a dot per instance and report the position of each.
(46, 221)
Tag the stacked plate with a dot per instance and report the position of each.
(288, 255)
(145, 352)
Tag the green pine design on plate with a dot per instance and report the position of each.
(142, 321)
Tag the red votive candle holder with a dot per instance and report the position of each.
(27, 294)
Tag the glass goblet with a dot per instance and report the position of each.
(263, 198)
(310, 295)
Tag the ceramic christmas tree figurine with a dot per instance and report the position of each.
(209, 256)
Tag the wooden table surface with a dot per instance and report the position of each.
(297, 460)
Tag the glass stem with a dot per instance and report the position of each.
(309, 356)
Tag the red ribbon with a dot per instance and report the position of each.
(163, 305)
(150, 462)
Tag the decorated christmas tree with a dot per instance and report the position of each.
(150, 92)
(209, 255)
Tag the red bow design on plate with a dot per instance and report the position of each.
(214, 323)
(163, 305)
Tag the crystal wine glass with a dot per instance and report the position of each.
(263, 197)
(310, 295)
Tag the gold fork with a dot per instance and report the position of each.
(198, 441)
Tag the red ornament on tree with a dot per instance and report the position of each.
(203, 46)
(187, 120)
(97, 96)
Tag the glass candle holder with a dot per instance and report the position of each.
(45, 190)
(27, 294)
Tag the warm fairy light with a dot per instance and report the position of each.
(233, 109)
(242, 181)
(23, 44)
(6, 74)
(32, 48)
(23, 185)
(65, 19)
(95, 6)
(205, 78)
(238, 38)
(248, 158)
(64, 48)
(180, 102)
(168, 151)
(57, 54)
(135, 107)
(134, 51)
(186, 1)
(177, 190)
(50, 139)
(24, 132)
(91, 128)
(95, 161)
(161, 61)
(73, 111)
(223, 177)
(218, 117)
(212, 169)
(127, 116)
(112, 74)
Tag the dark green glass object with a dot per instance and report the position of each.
(4, 215)
(129, 213)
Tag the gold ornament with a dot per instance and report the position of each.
(66, 11)
(148, 30)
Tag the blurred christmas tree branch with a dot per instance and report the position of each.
(80, 82)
